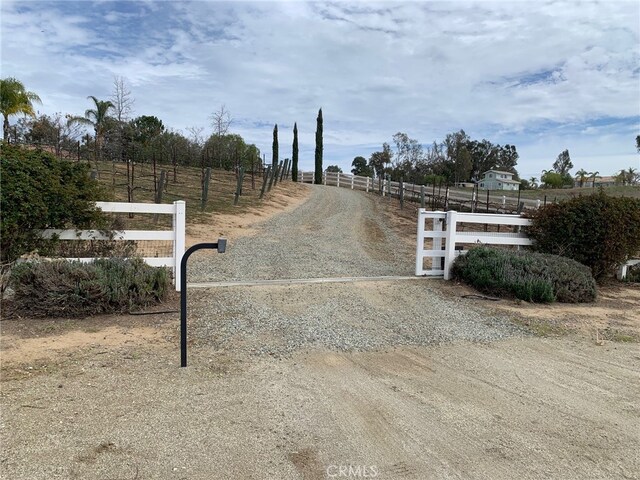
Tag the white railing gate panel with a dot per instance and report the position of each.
(177, 235)
(452, 237)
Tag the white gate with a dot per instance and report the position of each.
(444, 228)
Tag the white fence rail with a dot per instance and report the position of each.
(444, 228)
(460, 195)
(176, 235)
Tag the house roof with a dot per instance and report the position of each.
(501, 180)
(499, 171)
(602, 179)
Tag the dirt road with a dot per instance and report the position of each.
(363, 380)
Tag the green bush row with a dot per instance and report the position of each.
(73, 289)
(530, 276)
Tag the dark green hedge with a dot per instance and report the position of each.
(597, 230)
(40, 191)
(530, 276)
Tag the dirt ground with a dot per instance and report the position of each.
(614, 316)
(103, 398)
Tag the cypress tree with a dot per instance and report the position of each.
(318, 170)
(274, 159)
(294, 156)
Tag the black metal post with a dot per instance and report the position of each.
(221, 247)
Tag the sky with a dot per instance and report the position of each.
(544, 76)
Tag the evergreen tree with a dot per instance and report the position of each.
(318, 170)
(294, 157)
(563, 163)
(274, 159)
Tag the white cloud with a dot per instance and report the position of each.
(536, 75)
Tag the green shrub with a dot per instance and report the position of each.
(39, 191)
(530, 276)
(597, 230)
(633, 273)
(73, 289)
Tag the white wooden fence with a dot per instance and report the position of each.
(176, 235)
(444, 227)
(389, 188)
(337, 179)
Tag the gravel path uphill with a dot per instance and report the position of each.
(336, 233)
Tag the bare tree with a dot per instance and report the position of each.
(220, 121)
(122, 102)
(196, 135)
(121, 99)
(198, 141)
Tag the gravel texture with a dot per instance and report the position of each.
(336, 233)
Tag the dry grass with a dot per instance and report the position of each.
(185, 185)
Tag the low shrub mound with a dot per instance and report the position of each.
(73, 289)
(530, 276)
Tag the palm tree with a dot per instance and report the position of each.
(592, 177)
(582, 175)
(627, 177)
(96, 118)
(533, 181)
(14, 99)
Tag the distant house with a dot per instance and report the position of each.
(498, 180)
(600, 182)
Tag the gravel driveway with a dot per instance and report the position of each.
(389, 380)
(336, 233)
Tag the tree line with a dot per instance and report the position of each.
(456, 159)
(460, 159)
(116, 135)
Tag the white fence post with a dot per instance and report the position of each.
(338, 180)
(450, 243)
(420, 242)
(324, 175)
(367, 184)
(179, 242)
(436, 263)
